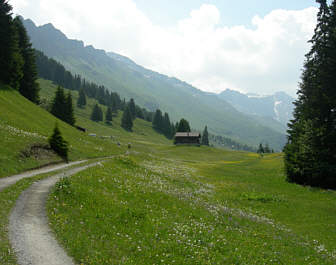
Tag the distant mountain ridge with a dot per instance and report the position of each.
(278, 106)
(150, 89)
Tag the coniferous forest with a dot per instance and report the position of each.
(310, 154)
(17, 60)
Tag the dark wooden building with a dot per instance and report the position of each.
(188, 138)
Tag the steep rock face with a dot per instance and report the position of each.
(151, 89)
(279, 106)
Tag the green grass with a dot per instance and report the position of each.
(182, 205)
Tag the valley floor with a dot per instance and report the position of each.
(186, 205)
(156, 203)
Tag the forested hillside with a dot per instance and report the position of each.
(151, 90)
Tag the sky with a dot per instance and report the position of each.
(253, 46)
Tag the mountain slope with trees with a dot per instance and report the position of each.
(150, 89)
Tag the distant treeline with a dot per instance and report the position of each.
(222, 141)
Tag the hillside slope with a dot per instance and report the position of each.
(25, 128)
(150, 89)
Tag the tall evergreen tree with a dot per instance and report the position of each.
(132, 108)
(81, 101)
(29, 87)
(310, 154)
(183, 126)
(205, 137)
(108, 116)
(126, 120)
(97, 113)
(167, 130)
(158, 121)
(58, 108)
(11, 61)
(261, 149)
(69, 111)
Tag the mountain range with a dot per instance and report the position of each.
(231, 114)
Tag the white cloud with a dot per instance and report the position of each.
(262, 59)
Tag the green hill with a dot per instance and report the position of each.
(25, 128)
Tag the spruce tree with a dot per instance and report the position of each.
(310, 154)
(261, 149)
(167, 131)
(158, 121)
(183, 126)
(58, 144)
(11, 61)
(97, 114)
(81, 102)
(132, 108)
(29, 87)
(58, 108)
(108, 116)
(126, 120)
(205, 137)
(69, 111)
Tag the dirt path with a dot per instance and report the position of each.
(29, 233)
(8, 181)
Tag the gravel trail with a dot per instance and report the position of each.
(29, 232)
(8, 181)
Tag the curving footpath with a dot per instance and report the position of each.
(8, 181)
(29, 232)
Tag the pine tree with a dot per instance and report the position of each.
(29, 87)
(69, 111)
(158, 121)
(260, 149)
(183, 126)
(132, 108)
(81, 102)
(310, 154)
(205, 137)
(11, 61)
(58, 104)
(108, 116)
(173, 130)
(58, 144)
(97, 114)
(126, 120)
(167, 131)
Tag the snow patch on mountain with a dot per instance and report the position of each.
(276, 111)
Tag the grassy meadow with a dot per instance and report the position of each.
(190, 205)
